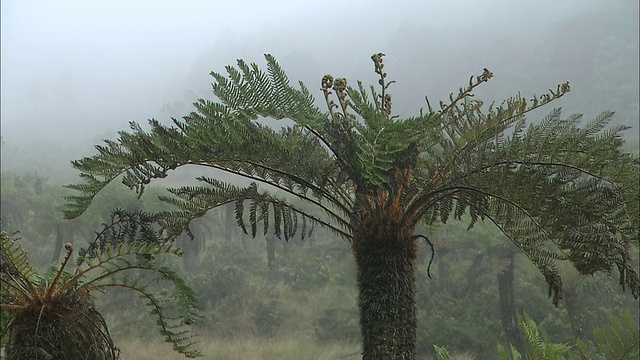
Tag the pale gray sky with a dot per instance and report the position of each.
(76, 71)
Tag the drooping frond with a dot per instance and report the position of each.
(224, 136)
(195, 201)
(557, 190)
(138, 157)
(125, 227)
(126, 266)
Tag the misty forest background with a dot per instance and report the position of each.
(269, 298)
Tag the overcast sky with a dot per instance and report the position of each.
(80, 70)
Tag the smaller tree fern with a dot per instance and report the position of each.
(54, 317)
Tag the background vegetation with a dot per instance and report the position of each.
(56, 106)
(304, 304)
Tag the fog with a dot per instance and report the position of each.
(75, 72)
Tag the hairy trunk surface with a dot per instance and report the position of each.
(386, 277)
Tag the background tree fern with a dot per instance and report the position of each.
(557, 190)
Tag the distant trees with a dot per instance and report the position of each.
(558, 191)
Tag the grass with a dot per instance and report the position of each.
(242, 348)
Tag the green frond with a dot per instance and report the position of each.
(442, 353)
(292, 160)
(554, 186)
(124, 227)
(251, 91)
(17, 277)
(194, 201)
(558, 190)
(125, 266)
(619, 339)
(538, 344)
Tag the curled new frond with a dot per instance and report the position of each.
(384, 99)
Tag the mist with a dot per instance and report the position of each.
(75, 72)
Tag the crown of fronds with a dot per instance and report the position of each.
(557, 190)
(55, 314)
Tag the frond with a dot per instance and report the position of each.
(291, 160)
(539, 345)
(138, 157)
(531, 238)
(61, 302)
(17, 277)
(619, 339)
(442, 353)
(563, 188)
(126, 227)
(249, 92)
(195, 201)
(126, 266)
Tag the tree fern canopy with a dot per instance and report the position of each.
(558, 190)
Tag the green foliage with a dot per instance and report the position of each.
(616, 340)
(231, 272)
(442, 353)
(620, 339)
(55, 314)
(538, 344)
(558, 191)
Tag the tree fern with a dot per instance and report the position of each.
(55, 314)
(560, 192)
(616, 340)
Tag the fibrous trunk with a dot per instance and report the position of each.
(69, 328)
(387, 296)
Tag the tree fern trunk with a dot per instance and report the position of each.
(387, 296)
(508, 308)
